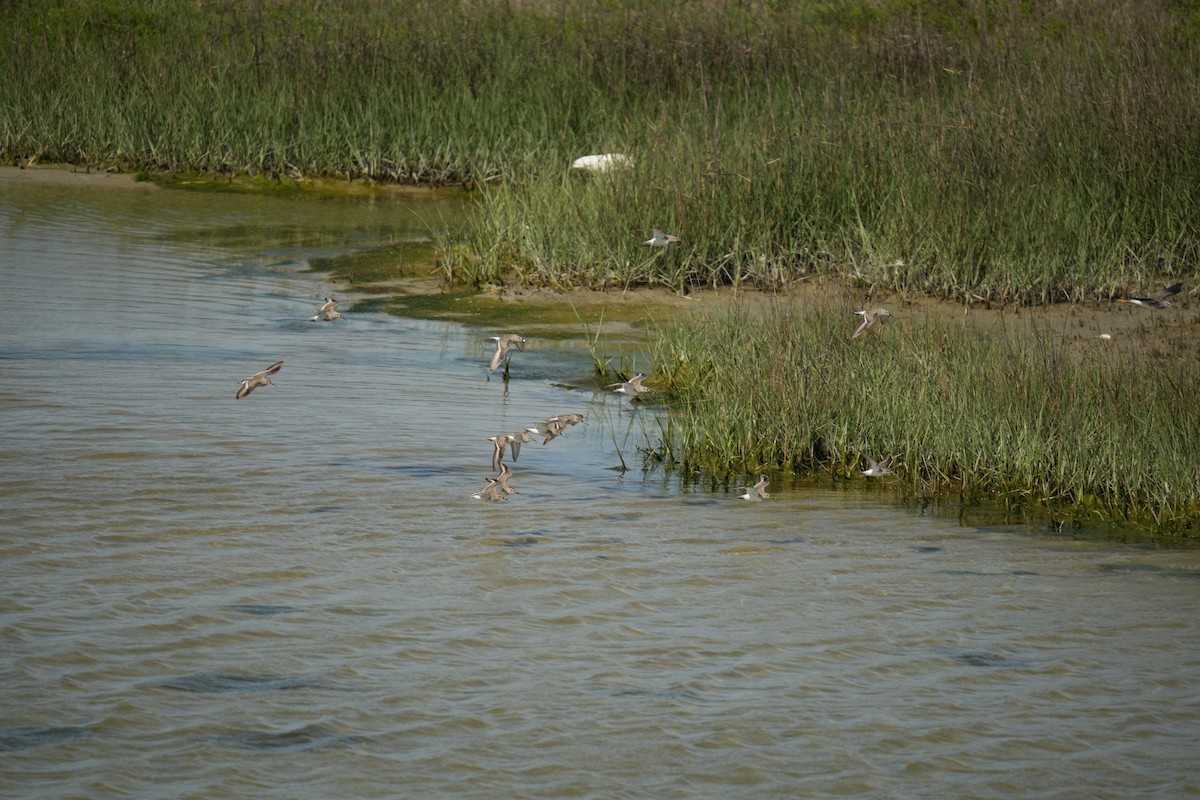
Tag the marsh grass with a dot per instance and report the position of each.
(1014, 151)
(1018, 414)
(1003, 155)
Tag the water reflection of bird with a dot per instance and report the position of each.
(869, 315)
(1160, 299)
(327, 312)
(504, 343)
(660, 239)
(758, 491)
(877, 469)
(261, 378)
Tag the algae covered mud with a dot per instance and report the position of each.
(292, 595)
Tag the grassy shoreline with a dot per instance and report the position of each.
(988, 151)
(1081, 427)
(1025, 406)
(1018, 152)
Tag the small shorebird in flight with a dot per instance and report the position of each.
(551, 429)
(660, 239)
(632, 387)
(258, 379)
(876, 469)
(500, 442)
(758, 491)
(519, 438)
(869, 315)
(489, 492)
(502, 479)
(1157, 300)
(504, 342)
(327, 312)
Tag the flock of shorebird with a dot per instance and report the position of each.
(498, 488)
(551, 428)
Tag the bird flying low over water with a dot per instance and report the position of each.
(632, 387)
(876, 469)
(502, 479)
(551, 428)
(1160, 299)
(327, 312)
(758, 491)
(500, 442)
(490, 492)
(258, 379)
(504, 342)
(519, 438)
(869, 315)
(660, 239)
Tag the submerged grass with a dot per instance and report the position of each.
(1017, 414)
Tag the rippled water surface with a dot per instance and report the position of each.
(293, 595)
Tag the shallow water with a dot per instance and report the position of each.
(293, 595)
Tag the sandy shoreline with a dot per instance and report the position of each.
(66, 175)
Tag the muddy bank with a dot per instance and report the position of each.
(1167, 332)
(61, 175)
(405, 285)
(68, 175)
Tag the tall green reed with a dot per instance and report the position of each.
(1023, 413)
(1013, 151)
